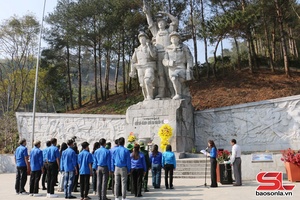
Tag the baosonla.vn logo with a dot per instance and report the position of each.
(270, 185)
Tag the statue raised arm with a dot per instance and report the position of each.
(161, 34)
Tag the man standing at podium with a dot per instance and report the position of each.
(236, 161)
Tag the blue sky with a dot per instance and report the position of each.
(20, 8)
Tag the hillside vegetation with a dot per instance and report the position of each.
(232, 89)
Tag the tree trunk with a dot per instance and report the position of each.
(250, 57)
(194, 37)
(79, 77)
(215, 57)
(204, 37)
(238, 53)
(100, 71)
(123, 64)
(107, 70)
(269, 51)
(282, 37)
(95, 74)
(117, 68)
(69, 78)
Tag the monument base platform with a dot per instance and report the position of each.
(145, 118)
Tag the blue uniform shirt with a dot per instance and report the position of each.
(20, 154)
(36, 159)
(52, 153)
(102, 158)
(68, 160)
(213, 152)
(45, 153)
(94, 166)
(168, 157)
(121, 158)
(84, 159)
(156, 159)
(139, 163)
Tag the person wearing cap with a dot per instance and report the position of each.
(53, 163)
(148, 164)
(85, 160)
(161, 33)
(102, 160)
(109, 181)
(144, 62)
(108, 145)
(121, 166)
(138, 170)
(179, 60)
(22, 163)
(68, 167)
(36, 166)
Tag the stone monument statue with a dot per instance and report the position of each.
(144, 62)
(162, 39)
(179, 60)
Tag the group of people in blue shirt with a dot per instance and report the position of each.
(117, 163)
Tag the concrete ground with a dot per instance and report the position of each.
(185, 189)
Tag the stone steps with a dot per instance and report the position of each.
(190, 168)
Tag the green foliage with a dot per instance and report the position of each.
(8, 133)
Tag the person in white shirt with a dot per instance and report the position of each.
(235, 160)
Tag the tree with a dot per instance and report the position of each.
(18, 36)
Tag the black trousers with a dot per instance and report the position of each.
(21, 179)
(52, 172)
(169, 168)
(213, 172)
(137, 181)
(44, 176)
(35, 177)
(94, 180)
(75, 183)
(84, 185)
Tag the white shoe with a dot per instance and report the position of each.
(37, 195)
(24, 193)
(125, 199)
(53, 196)
(116, 198)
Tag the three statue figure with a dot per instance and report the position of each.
(164, 66)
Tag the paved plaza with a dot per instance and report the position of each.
(184, 189)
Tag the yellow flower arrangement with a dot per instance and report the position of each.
(131, 138)
(165, 133)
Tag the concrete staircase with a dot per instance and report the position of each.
(190, 168)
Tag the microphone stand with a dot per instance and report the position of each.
(205, 171)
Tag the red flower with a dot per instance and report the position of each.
(290, 155)
(222, 156)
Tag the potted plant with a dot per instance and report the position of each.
(223, 169)
(291, 161)
(223, 155)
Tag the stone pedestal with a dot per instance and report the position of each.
(145, 118)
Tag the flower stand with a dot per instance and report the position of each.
(292, 171)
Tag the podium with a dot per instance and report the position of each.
(225, 173)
